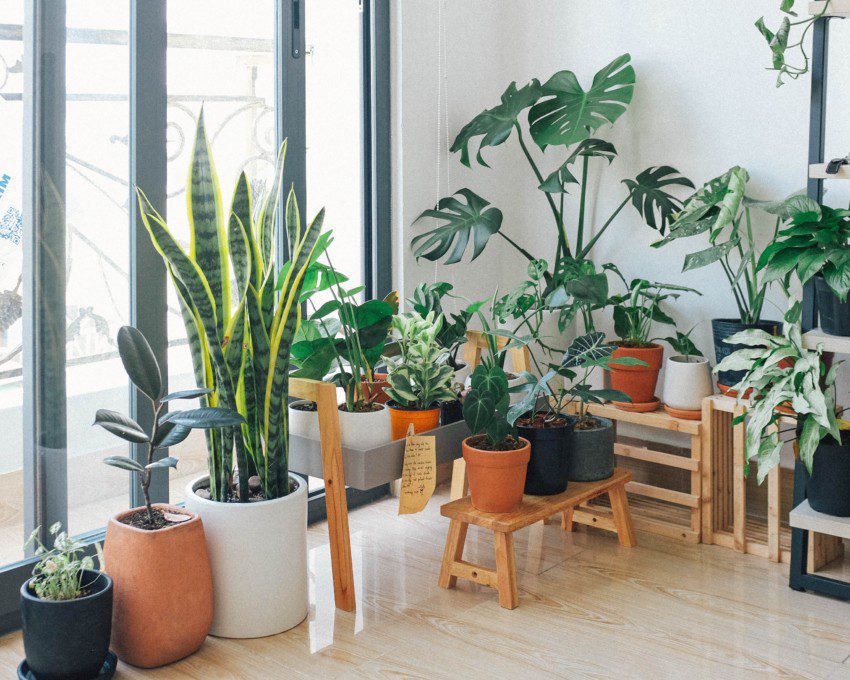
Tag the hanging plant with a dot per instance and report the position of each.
(779, 40)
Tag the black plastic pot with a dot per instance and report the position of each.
(548, 465)
(451, 411)
(834, 315)
(828, 487)
(591, 455)
(68, 639)
(722, 329)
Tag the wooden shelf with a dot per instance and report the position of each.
(803, 517)
(818, 171)
(837, 8)
(831, 343)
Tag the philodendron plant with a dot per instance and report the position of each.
(419, 376)
(240, 343)
(168, 429)
(486, 407)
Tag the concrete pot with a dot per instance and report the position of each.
(258, 554)
(303, 423)
(687, 381)
(591, 456)
(366, 430)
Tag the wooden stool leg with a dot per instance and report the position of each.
(567, 523)
(460, 485)
(453, 553)
(622, 516)
(506, 570)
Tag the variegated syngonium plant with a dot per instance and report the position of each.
(782, 373)
(240, 341)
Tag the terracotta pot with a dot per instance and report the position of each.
(638, 381)
(163, 600)
(496, 478)
(379, 382)
(422, 419)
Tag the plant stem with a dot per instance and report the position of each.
(580, 229)
(584, 252)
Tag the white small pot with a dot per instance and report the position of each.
(303, 423)
(258, 555)
(687, 381)
(365, 430)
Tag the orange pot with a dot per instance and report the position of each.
(423, 420)
(496, 478)
(163, 599)
(638, 381)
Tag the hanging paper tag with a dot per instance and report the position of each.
(419, 474)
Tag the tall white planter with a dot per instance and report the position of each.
(687, 381)
(258, 554)
(365, 430)
(303, 423)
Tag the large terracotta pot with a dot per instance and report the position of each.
(496, 478)
(638, 381)
(163, 589)
(422, 420)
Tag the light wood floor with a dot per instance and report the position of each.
(588, 608)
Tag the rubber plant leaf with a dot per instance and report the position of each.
(121, 426)
(139, 361)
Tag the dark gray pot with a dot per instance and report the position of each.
(591, 455)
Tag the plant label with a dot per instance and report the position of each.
(419, 474)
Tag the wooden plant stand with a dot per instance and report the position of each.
(532, 509)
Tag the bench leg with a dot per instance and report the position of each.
(622, 516)
(567, 523)
(453, 553)
(506, 570)
(460, 484)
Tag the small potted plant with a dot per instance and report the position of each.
(419, 376)
(66, 613)
(687, 378)
(804, 389)
(634, 313)
(157, 554)
(496, 459)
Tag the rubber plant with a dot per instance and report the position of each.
(779, 41)
(240, 343)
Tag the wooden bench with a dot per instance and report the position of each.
(532, 509)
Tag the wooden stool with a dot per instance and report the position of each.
(532, 509)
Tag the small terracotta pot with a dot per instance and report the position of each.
(422, 419)
(379, 382)
(496, 478)
(638, 381)
(163, 602)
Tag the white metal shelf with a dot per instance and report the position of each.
(818, 171)
(837, 8)
(831, 343)
(803, 517)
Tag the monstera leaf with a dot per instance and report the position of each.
(650, 199)
(554, 183)
(461, 220)
(567, 114)
(494, 125)
(589, 347)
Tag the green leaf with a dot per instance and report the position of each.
(121, 426)
(587, 347)
(703, 258)
(838, 279)
(568, 114)
(554, 183)
(187, 394)
(590, 289)
(460, 222)
(124, 463)
(167, 462)
(170, 434)
(478, 410)
(139, 361)
(651, 200)
(205, 418)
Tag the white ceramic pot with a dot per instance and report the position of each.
(303, 423)
(365, 430)
(258, 555)
(687, 381)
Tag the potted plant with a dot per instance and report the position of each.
(419, 376)
(634, 313)
(541, 418)
(255, 516)
(814, 245)
(496, 459)
(803, 389)
(721, 209)
(157, 554)
(66, 613)
(687, 378)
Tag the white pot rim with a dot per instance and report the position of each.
(689, 360)
(245, 507)
(362, 413)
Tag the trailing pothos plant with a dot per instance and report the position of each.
(721, 210)
(640, 306)
(779, 41)
(784, 378)
(585, 354)
(556, 113)
(816, 240)
(428, 298)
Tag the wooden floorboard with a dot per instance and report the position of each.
(587, 608)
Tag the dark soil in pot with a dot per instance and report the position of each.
(451, 411)
(828, 487)
(834, 315)
(68, 639)
(550, 446)
(361, 407)
(591, 451)
(308, 406)
(722, 329)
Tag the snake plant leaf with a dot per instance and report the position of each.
(703, 258)
(267, 220)
(293, 222)
(193, 393)
(650, 198)
(121, 426)
(205, 418)
(242, 209)
(170, 434)
(124, 463)
(166, 462)
(207, 238)
(460, 222)
(139, 361)
(494, 125)
(567, 114)
(233, 340)
(240, 253)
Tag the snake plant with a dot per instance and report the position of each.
(240, 340)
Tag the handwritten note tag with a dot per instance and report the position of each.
(419, 474)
